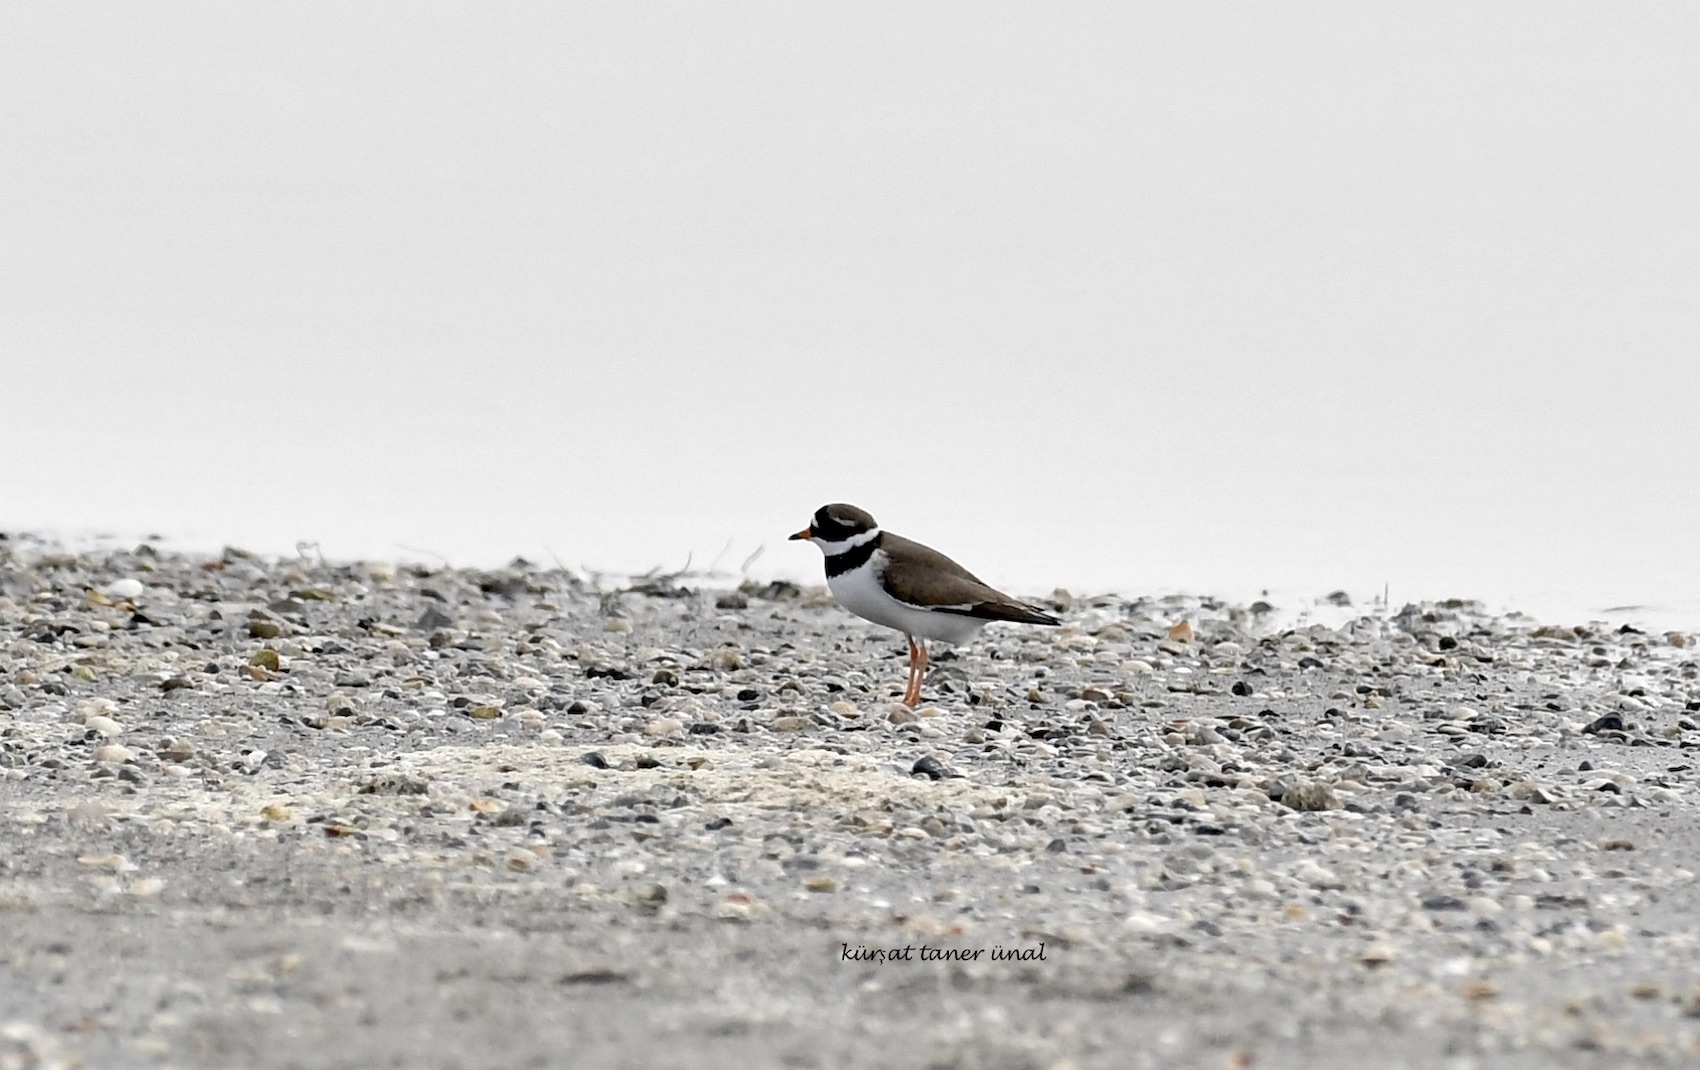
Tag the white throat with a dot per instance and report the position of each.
(833, 549)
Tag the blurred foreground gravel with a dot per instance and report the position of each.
(289, 814)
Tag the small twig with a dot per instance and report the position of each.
(555, 557)
(724, 550)
(427, 553)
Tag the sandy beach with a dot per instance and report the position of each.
(302, 814)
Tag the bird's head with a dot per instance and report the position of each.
(837, 528)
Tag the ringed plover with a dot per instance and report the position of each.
(901, 584)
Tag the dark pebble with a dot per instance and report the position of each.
(778, 591)
(1443, 902)
(1560, 902)
(433, 620)
(931, 767)
(601, 975)
(392, 784)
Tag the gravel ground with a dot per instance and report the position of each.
(283, 813)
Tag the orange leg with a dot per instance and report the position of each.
(917, 670)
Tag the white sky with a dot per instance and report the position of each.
(1135, 296)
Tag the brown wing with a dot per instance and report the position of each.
(933, 580)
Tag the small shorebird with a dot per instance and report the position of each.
(901, 584)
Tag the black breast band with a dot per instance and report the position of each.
(839, 564)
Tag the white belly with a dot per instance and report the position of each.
(860, 592)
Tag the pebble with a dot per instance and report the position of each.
(1310, 795)
(725, 660)
(113, 862)
(127, 588)
(1435, 794)
(931, 767)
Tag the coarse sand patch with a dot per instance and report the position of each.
(307, 814)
